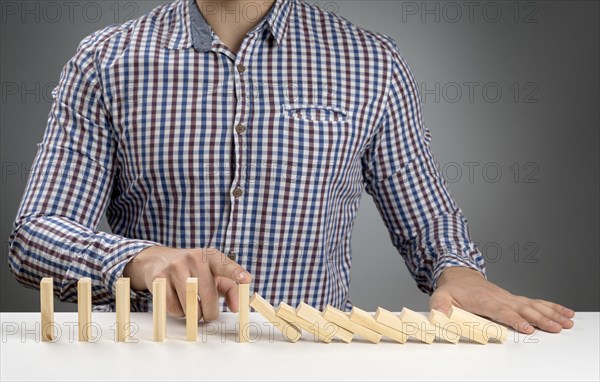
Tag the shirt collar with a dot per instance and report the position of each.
(189, 28)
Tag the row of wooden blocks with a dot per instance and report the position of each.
(324, 326)
(334, 323)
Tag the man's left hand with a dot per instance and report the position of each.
(467, 289)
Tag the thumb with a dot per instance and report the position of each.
(440, 301)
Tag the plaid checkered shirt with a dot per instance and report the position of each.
(262, 154)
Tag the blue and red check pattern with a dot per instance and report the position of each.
(156, 122)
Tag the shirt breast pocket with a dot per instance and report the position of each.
(315, 141)
(325, 115)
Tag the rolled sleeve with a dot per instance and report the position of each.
(425, 224)
(68, 191)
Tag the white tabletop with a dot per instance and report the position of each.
(571, 355)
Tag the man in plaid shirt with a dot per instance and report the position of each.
(231, 141)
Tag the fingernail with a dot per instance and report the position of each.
(243, 275)
(563, 319)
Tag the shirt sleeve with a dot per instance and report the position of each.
(54, 233)
(425, 224)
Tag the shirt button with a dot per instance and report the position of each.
(237, 192)
(241, 68)
(231, 255)
(240, 128)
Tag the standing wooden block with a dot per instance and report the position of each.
(488, 328)
(244, 312)
(289, 314)
(191, 309)
(290, 330)
(342, 319)
(445, 328)
(47, 309)
(417, 325)
(159, 308)
(84, 308)
(123, 308)
(366, 319)
(330, 328)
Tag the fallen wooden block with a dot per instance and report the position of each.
(123, 308)
(488, 328)
(409, 322)
(342, 320)
(191, 309)
(366, 319)
(47, 309)
(159, 308)
(262, 306)
(244, 313)
(84, 308)
(417, 325)
(446, 329)
(289, 314)
(313, 315)
(469, 330)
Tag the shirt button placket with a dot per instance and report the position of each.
(239, 128)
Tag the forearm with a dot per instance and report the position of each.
(445, 243)
(430, 231)
(55, 246)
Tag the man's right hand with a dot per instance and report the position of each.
(217, 276)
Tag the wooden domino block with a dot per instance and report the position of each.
(47, 309)
(417, 325)
(313, 315)
(244, 312)
(159, 308)
(191, 309)
(84, 308)
(470, 329)
(289, 314)
(412, 324)
(123, 308)
(342, 320)
(445, 328)
(290, 330)
(366, 319)
(488, 328)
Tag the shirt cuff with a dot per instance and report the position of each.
(115, 263)
(446, 259)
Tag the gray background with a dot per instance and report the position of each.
(510, 95)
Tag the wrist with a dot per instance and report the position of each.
(138, 267)
(452, 273)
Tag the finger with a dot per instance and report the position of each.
(221, 265)
(180, 289)
(506, 315)
(174, 307)
(178, 275)
(228, 289)
(553, 314)
(440, 301)
(200, 316)
(209, 297)
(540, 320)
(569, 313)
